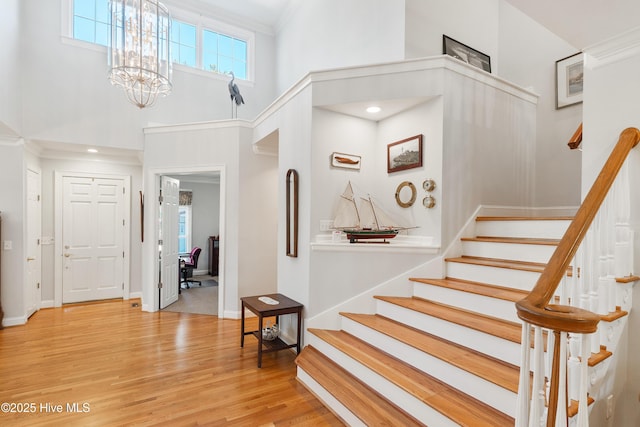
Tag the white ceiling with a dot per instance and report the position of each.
(583, 23)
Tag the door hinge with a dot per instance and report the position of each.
(123, 222)
(123, 286)
(159, 285)
(38, 285)
(38, 242)
(122, 254)
(123, 190)
(160, 198)
(38, 197)
(160, 242)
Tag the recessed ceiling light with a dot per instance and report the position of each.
(373, 109)
(92, 150)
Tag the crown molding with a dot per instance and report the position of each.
(613, 50)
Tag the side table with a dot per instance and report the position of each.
(261, 309)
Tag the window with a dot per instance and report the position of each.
(183, 43)
(197, 43)
(223, 54)
(184, 229)
(91, 21)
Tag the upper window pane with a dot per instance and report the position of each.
(91, 21)
(224, 54)
(183, 43)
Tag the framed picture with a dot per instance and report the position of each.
(465, 53)
(569, 78)
(405, 154)
(346, 161)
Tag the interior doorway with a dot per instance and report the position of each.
(198, 224)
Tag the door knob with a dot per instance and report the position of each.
(67, 255)
(30, 259)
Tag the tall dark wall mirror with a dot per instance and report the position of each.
(292, 213)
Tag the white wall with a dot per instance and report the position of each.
(321, 34)
(524, 52)
(12, 163)
(471, 22)
(528, 53)
(10, 82)
(68, 98)
(246, 266)
(611, 94)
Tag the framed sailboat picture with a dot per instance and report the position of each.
(404, 154)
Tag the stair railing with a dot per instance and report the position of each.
(586, 291)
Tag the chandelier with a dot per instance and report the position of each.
(139, 53)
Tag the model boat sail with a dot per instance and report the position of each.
(361, 219)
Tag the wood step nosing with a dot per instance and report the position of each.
(329, 400)
(410, 396)
(501, 398)
(456, 315)
(364, 402)
(477, 288)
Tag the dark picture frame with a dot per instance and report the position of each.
(569, 80)
(465, 53)
(404, 154)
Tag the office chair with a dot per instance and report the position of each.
(188, 267)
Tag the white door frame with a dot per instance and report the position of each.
(58, 251)
(28, 289)
(152, 206)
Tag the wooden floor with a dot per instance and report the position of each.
(121, 366)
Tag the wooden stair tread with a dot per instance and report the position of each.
(493, 370)
(364, 402)
(524, 218)
(486, 289)
(536, 267)
(614, 315)
(522, 240)
(424, 387)
(598, 357)
(490, 325)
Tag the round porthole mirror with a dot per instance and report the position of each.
(406, 194)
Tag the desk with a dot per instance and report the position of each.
(261, 309)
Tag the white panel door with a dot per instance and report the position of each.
(169, 255)
(33, 293)
(93, 239)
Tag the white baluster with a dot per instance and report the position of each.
(561, 413)
(524, 395)
(538, 399)
(583, 404)
(573, 366)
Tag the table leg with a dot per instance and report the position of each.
(298, 333)
(260, 341)
(242, 327)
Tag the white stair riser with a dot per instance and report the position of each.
(530, 228)
(327, 398)
(510, 251)
(516, 279)
(495, 307)
(485, 391)
(389, 390)
(488, 344)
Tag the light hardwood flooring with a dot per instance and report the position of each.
(122, 366)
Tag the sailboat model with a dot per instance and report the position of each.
(362, 219)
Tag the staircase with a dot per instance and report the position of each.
(449, 354)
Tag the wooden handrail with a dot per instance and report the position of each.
(535, 308)
(576, 139)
